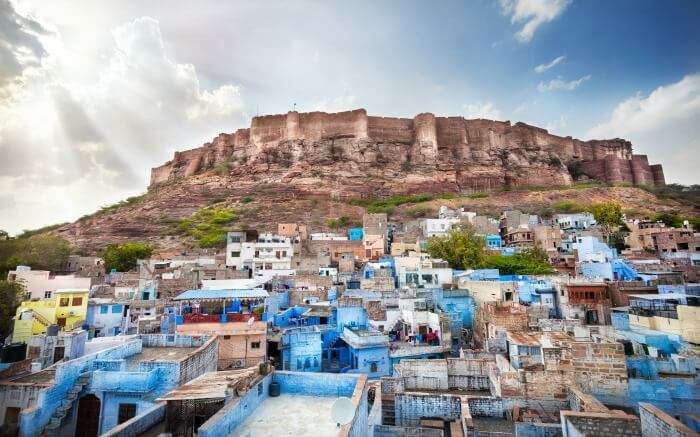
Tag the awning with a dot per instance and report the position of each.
(250, 293)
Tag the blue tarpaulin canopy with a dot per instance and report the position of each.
(249, 293)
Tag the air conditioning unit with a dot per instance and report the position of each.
(238, 364)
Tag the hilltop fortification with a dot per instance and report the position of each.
(416, 152)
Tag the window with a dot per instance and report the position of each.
(255, 345)
(63, 302)
(47, 294)
(116, 309)
(104, 309)
(235, 254)
(126, 412)
(227, 337)
(235, 238)
(373, 368)
(77, 301)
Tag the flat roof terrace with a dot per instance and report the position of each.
(290, 415)
(43, 377)
(157, 354)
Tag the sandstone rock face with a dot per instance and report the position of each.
(425, 153)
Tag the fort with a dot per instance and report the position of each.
(478, 153)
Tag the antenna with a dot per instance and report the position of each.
(342, 411)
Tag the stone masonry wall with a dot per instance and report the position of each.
(657, 423)
(487, 153)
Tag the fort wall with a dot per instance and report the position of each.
(444, 143)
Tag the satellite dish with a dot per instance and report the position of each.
(342, 411)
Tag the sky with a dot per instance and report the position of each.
(95, 93)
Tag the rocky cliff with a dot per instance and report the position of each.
(309, 167)
(425, 153)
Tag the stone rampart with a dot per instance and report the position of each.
(479, 154)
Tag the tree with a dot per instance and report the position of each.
(529, 262)
(10, 297)
(608, 215)
(670, 219)
(123, 257)
(461, 248)
(40, 251)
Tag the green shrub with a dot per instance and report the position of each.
(128, 201)
(419, 211)
(478, 195)
(567, 206)
(208, 225)
(247, 199)
(222, 169)
(554, 161)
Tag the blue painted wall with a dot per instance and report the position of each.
(355, 234)
(361, 361)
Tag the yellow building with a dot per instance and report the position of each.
(67, 309)
(664, 313)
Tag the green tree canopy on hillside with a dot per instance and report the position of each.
(123, 257)
(10, 297)
(40, 251)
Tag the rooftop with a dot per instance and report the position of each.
(157, 354)
(290, 415)
(211, 385)
(222, 294)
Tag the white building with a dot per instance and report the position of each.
(445, 213)
(328, 236)
(40, 284)
(418, 270)
(267, 252)
(438, 227)
(580, 220)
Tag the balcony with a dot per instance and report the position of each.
(216, 318)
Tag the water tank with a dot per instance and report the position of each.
(274, 389)
(52, 330)
(13, 352)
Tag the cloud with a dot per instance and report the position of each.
(71, 146)
(345, 102)
(560, 85)
(21, 50)
(557, 127)
(663, 124)
(544, 67)
(533, 13)
(485, 110)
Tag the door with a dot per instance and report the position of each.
(11, 420)
(58, 353)
(88, 422)
(61, 321)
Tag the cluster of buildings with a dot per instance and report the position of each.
(266, 336)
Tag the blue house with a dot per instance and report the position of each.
(105, 317)
(302, 349)
(97, 391)
(494, 241)
(459, 306)
(368, 351)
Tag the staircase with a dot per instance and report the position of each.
(41, 319)
(53, 428)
